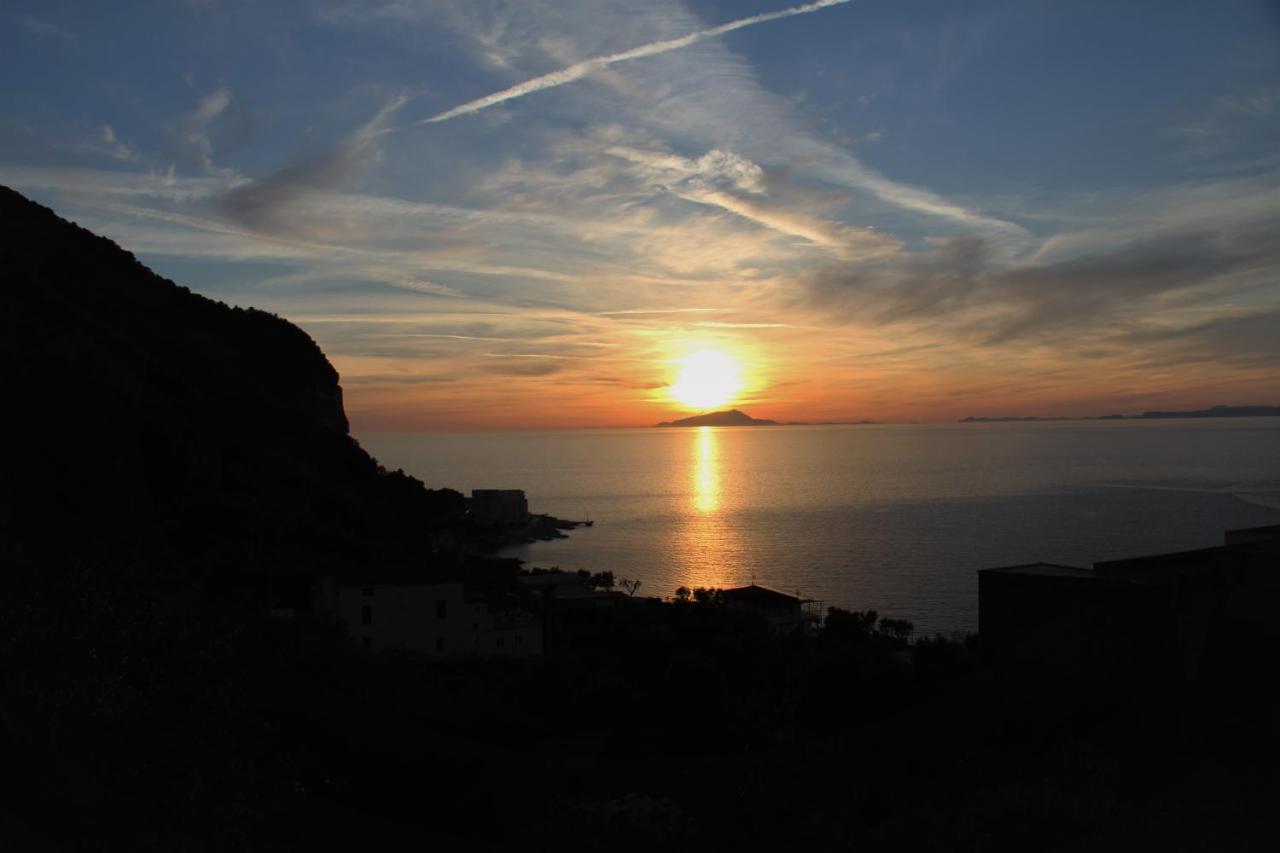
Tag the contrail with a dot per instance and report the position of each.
(581, 69)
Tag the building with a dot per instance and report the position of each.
(786, 614)
(1203, 613)
(559, 590)
(1067, 617)
(436, 619)
(496, 507)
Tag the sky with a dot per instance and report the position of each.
(529, 214)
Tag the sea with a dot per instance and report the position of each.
(894, 518)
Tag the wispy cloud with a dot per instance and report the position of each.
(581, 69)
(193, 129)
(113, 146)
(262, 203)
(962, 290)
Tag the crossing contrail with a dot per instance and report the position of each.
(581, 69)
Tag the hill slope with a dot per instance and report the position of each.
(149, 425)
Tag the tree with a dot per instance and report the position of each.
(707, 595)
(899, 629)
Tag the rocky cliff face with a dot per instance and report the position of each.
(147, 424)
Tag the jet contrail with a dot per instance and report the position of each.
(581, 69)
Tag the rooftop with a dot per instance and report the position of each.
(760, 595)
(1044, 570)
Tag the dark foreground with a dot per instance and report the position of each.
(176, 473)
(146, 714)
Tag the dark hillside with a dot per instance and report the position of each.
(148, 423)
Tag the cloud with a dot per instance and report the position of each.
(1250, 339)
(731, 182)
(114, 147)
(193, 130)
(581, 69)
(708, 94)
(979, 300)
(263, 203)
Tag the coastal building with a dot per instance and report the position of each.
(1065, 616)
(437, 619)
(495, 507)
(786, 614)
(1203, 613)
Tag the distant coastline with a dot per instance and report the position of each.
(1212, 412)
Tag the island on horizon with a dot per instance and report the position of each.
(737, 417)
(730, 417)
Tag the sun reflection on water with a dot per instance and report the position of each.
(706, 471)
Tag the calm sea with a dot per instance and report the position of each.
(895, 518)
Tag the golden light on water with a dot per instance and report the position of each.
(707, 379)
(706, 472)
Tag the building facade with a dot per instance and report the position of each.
(436, 619)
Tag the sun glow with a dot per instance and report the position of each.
(707, 379)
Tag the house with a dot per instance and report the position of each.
(786, 614)
(436, 619)
(1208, 612)
(497, 507)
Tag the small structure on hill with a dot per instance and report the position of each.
(786, 614)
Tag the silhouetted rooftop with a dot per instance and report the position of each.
(1043, 570)
(761, 596)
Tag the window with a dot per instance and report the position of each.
(519, 639)
(367, 591)
(439, 645)
(442, 609)
(366, 615)
(367, 642)
(502, 641)
(475, 626)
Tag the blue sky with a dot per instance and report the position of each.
(881, 209)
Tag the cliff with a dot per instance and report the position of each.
(150, 426)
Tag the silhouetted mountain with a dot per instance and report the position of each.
(732, 417)
(151, 426)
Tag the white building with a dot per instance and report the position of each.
(437, 619)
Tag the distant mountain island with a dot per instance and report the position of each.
(737, 417)
(1213, 412)
(732, 417)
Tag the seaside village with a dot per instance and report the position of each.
(1192, 612)
(456, 618)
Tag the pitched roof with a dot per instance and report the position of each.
(1044, 570)
(760, 596)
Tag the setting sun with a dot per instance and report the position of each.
(707, 379)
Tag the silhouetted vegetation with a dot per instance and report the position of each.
(177, 471)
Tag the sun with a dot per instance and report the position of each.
(707, 379)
